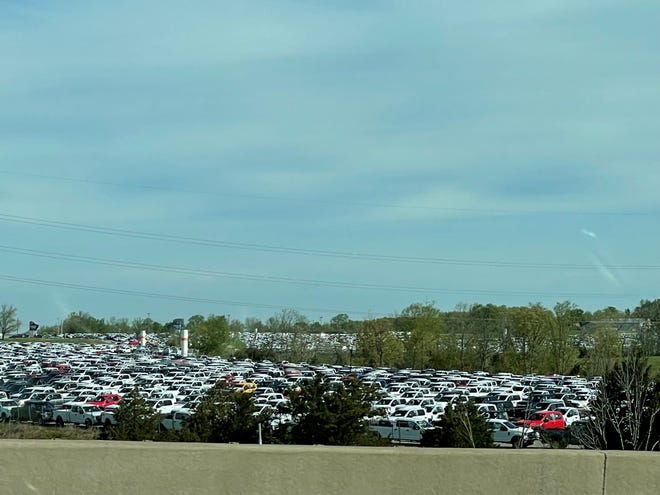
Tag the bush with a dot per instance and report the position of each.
(136, 420)
(331, 417)
(461, 426)
(224, 416)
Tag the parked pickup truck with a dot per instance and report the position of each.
(6, 408)
(108, 416)
(34, 411)
(78, 414)
(400, 430)
(505, 431)
(174, 420)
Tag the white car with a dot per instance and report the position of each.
(571, 414)
(409, 412)
(504, 431)
(6, 408)
(400, 430)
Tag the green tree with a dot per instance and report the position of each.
(563, 351)
(341, 323)
(225, 415)
(605, 350)
(82, 322)
(210, 336)
(8, 321)
(422, 325)
(530, 330)
(461, 426)
(609, 313)
(489, 324)
(377, 343)
(649, 338)
(119, 325)
(458, 346)
(327, 417)
(136, 419)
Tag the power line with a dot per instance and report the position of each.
(273, 279)
(225, 194)
(306, 252)
(155, 295)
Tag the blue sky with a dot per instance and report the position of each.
(344, 156)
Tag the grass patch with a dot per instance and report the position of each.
(34, 432)
(654, 361)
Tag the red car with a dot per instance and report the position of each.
(105, 400)
(547, 420)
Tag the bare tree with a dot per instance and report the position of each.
(8, 321)
(626, 413)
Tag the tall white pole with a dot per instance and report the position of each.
(143, 338)
(184, 342)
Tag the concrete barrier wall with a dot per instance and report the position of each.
(90, 467)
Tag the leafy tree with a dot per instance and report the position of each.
(8, 321)
(210, 336)
(82, 322)
(119, 325)
(461, 426)
(323, 416)
(377, 343)
(136, 419)
(341, 323)
(609, 313)
(422, 325)
(530, 330)
(650, 332)
(225, 415)
(458, 344)
(606, 348)
(563, 351)
(141, 324)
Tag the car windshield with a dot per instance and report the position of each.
(509, 425)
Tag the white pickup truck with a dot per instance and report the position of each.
(7, 406)
(78, 414)
(174, 420)
(400, 430)
(504, 431)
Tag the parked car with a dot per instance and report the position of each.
(409, 412)
(105, 400)
(571, 414)
(505, 431)
(546, 420)
(78, 414)
(7, 406)
(400, 430)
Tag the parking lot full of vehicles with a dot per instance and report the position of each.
(82, 385)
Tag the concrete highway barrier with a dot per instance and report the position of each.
(88, 467)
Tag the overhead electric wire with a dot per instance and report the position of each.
(156, 295)
(153, 295)
(273, 279)
(225, 194)
(302, 251)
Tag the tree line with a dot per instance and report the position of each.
(521, 339)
